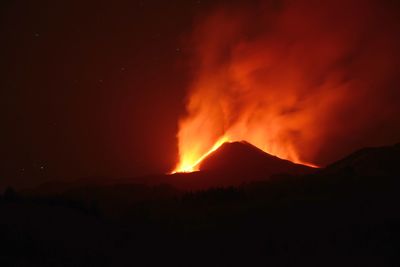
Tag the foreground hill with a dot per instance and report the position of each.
(338, 217)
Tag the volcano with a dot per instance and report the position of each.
(240, 158)
(236, 163)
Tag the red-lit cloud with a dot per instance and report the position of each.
(294, 78)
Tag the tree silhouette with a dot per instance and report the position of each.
(10, 194)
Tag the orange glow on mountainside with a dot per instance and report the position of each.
(191, 161)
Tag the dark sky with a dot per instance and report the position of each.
(94, 87)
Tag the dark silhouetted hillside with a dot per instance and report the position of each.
(372, 161)
(345, 215)
(242, 158)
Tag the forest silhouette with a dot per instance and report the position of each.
(346, 214)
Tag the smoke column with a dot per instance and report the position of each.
(294, 78)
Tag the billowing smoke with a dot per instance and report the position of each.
(295, 78)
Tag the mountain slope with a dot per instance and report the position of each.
(244, 158)
(371, 161)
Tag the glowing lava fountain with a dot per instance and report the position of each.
(191, 162)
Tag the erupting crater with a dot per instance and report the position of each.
(191, 163)
(240, 157)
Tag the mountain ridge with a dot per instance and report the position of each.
(241, 156)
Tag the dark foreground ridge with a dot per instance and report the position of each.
(345, 215)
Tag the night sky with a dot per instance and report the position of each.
(96, 88)
(92, 87)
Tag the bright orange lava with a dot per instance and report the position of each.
(191, 163)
